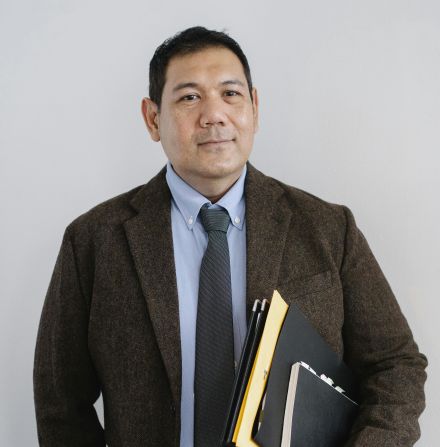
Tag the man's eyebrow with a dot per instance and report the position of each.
(233, 82)
(183, 85)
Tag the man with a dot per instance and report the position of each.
(148, 284)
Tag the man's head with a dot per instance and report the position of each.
(202, 107)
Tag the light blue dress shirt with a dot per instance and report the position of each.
(190, 241)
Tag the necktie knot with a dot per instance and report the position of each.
(214, 219)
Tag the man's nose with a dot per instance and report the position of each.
(212, 112)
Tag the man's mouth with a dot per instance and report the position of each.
(208, 142)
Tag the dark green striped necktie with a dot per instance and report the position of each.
(214, 364)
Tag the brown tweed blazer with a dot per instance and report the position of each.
(110, 321)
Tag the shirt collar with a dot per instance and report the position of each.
(189, 201)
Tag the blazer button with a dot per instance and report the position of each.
(173, 408)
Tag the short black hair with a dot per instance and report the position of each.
(185, 42)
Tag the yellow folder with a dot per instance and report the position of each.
(260, 371)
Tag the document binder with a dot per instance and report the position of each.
(258, 402)
(298, 341)
(316, 413)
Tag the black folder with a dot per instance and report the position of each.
(317, 415)
(298, 341)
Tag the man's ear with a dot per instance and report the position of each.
(150, 112)
(255, 108)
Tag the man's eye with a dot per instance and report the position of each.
(232, 93)
(189, 97)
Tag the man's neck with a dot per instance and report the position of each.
(212, 189)
(216, 198)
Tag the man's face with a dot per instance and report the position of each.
(207, 119)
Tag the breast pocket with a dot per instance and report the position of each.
(320, 298)
(305, 285)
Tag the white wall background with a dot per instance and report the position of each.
(350, 111)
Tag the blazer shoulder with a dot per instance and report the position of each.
(320, 212)
(109, 213)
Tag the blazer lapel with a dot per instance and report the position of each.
(149, 236)
(267, 224)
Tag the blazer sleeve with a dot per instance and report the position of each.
(65, 382)
(379, 346)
